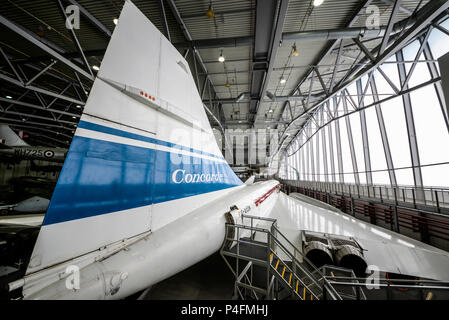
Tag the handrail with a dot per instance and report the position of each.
(429, 219)
(259, 218)
(295, 275)
(286, 251)
(308, 273)
(301, 268)
(390, 280)
(405, 187)
(390, 285)
(433, 196)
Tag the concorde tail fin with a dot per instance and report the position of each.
(143, 154)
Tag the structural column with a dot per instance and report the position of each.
(413, 143)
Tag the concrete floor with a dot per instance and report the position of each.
(210, 279)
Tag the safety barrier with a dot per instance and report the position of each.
(426, 223)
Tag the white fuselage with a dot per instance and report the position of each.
(158, 256)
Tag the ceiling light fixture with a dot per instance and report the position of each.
(8, 97)
(282, 81)
(317, 3)
(95, 67)
(271, 110)
(227, 84)
(295, 51)
(210, 12)
(221, 58)
(78, 106)
(115, 21)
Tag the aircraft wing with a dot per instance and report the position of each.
(389, 251)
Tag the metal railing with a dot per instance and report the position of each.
(355, 291)
(424, 223)
(425, 287)
(327, 282)
(306, 277)
(429, 196)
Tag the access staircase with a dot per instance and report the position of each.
(266, 265)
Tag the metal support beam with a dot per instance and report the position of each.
(263, 35)
(312, 161)
(351, 144)
(323, 85)
(10, 65)
(390, 25)
(431, 11)
(290, 109)
(164, 20)
(26, 125)
(441, 28)
(364, 49)
(331, 152)
(21, 114)
(94, 21)
(418, 55)
(403, 9)
(268, 34)
(413, 143)
(339, 152)
(15, 28)
(310, 90)
(75, 40)
(318, 164)
(433, 68)
(383, 134)
(33, 88)
(324, 149)
(325, 53)
(187, 35)
(337, 62)
(366, 153)
(41, 72)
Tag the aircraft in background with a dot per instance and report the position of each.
(34, 204)
(12, 147)
(145, 192)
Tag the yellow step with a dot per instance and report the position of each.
(297, 283)
(290, 280)
(283, 272)
(277, 264)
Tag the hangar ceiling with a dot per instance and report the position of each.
(281, 57)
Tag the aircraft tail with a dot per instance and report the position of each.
(9, 138)
(143, 154)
